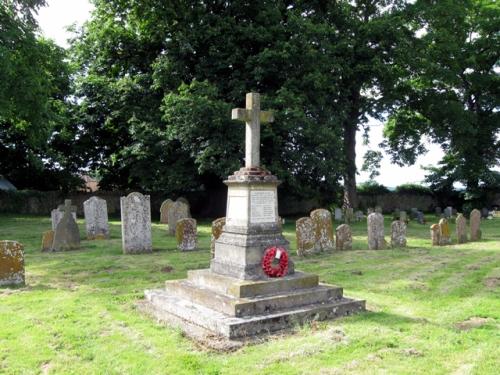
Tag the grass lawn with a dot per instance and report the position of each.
(431, 310)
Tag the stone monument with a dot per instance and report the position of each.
(136, 224)
(67, 234)
(444, 232)
(186, 234)
(217, 226)
(398, 233)
(435, 235)
(338, 214)
(235, 299)
(177, 210)
(11, 263)
(96, 218)
(57, 213)
(323, 228)
(306, 236)
(343, 237)
(475, 223)
(164, 210)
(461, 228)
(376, 240)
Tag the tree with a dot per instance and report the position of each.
(451, 93)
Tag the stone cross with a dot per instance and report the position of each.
(253, 116)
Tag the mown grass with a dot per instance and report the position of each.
(78, 315)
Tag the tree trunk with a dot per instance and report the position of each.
(350, 129)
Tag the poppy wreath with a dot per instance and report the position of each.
(267, 262)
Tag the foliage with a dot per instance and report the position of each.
(413, 189)
(371, 163)
(451, 92)
(372, 188)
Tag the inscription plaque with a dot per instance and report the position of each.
(262, 206)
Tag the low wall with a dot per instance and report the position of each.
(403, 201)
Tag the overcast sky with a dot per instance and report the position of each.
(59, 14)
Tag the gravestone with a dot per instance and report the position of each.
(235, 298)
(67, 234)
(217, 227)
(485, 212)
(96, 218)
(435, 235)
(438, 211)
(448, 212)
(475, 224)
(378, 209)
(164, 210)
(338, 214)
(444, 232)
(186, 202)
(461, 228)
(398, 234)
(414, 213)
(323, 229)
(11, 263)
(403, 217)
(343, 238)
(349, 215)
(376, 240)
(136, 224)
(186, 234)
(395, 214)
(369, 211)
(306, 236)
(454, 211)
(359, 215)
(47, 240)
(420, 217)
(177, 211)
(57, 213)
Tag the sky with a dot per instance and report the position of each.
(59, 14)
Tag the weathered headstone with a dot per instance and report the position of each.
(47, 240)
(186, 202)
(475, 224)
(420, 217)
(177, 211)
(435, 235)
(343, 238)
(438, 211)
(164, 210)
(306, 236)
(376, 240)
(96, 218)
(186, 234)
(217, 227)
(57, 213)
(338, 214)
(67, 234)
(444, 232)
(359, 215)
(349, 215)
(403, 216)
(448, 212)
(398, 234)
(136, 223)
(323, 229)
(461, 228)
(11, 263)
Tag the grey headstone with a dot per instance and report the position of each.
(448, 212)
(96, 218)
(461, 228)
(359, 215)
(338, 214)
(398, 234)
(305, 235)
(438, 211)
(57, 213)
(67, 234)
(378, 209)
(349, 215)
(403, 216)
(177, 211)
(420, 217)
(323, 227)
(343, 237)
(164, 210)
(475, 224)
(186, 234)
(485, 212)
(136, 223)
(376, 240)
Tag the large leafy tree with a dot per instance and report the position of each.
(451, 93)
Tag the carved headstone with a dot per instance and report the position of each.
(57, 213)
(461, 228)
(186, 234)
(177, 211)
(96, 218)
(338, 214)
(475, 224)
(343, 240)
(164, 210)
(398, 234)
(136, 223)
(349, 215)
(67, 234)
(323, 229)
(47, 240)
(306, 236)
(11, 263)
(217, 227)
(376, 240)
(444, 232)
(435, 235)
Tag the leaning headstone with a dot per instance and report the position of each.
(475, 223)
(11, 263)
(435, 235)
(438, 211)
(376, 240)
(164, 210)
(67, 234)
(186, 234)
(96, 218)
(177, 211)
(323, 229)
(47, 240)
(349, 215)
(461, 228)
(136, 224)
(448, 212)
(444, 232)
(217, 227)
(306, 236)
(57, 213)
(338, 214)
(398, 234)
(343, 237)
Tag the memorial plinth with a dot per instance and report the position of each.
(234, 299)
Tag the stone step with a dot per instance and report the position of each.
(168, 307)
(252, 306)
(244, 288)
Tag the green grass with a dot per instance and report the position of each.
(78, 315)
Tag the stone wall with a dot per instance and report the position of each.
(390, 201)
